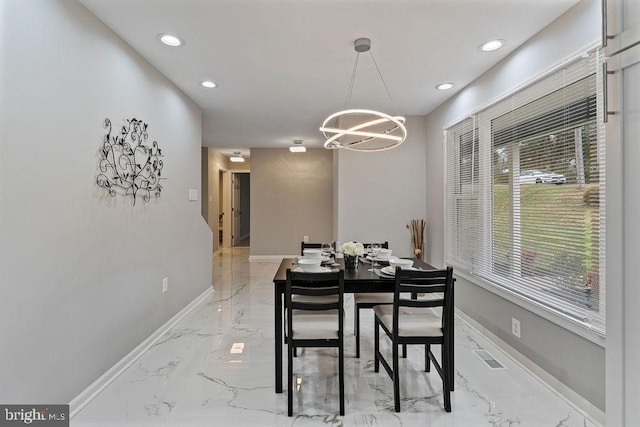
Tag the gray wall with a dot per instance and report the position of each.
(576, 361)
(291, 196)
(377, 194)
(82, 271)
(215, 163)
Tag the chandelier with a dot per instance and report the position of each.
(363, 129)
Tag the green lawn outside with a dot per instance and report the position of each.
(557, 228)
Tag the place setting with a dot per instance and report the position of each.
(320, 260)
(376, 254)
(389, 271)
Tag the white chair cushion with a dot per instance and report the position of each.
(372, 298)
(315, 324)
(412, 322)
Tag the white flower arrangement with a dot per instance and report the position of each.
(352, 249)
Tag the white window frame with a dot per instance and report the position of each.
(587, 326)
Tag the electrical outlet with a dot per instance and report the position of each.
(305, 239)
(165, 285)
(515, 327)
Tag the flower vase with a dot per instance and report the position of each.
(350, 262)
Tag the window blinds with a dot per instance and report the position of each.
(525, 193)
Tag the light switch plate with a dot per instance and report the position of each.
(193, 195)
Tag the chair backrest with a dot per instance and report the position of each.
(313, 245)
(424, 283)
(383, 245)
(314, 285)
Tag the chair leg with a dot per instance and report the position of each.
(451, 369)
(404, 351)
(356, 329)
(341, 376)
(290, 380)
(446, 374)
(376, 343)
(427, 360)
(355, 318)
(396, 378)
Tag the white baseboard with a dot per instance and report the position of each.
(578, 402)
(91, 392)
(258, 258)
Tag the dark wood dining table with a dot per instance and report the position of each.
(359, 280)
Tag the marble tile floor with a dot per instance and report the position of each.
(191, 377)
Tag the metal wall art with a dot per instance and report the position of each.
(127, 164)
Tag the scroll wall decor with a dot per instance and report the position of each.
(129, 166)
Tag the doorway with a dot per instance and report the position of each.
(220, 198)
(241, 209)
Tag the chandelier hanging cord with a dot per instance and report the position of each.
(384, 83)
(353, 79)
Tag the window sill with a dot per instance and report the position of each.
(583, 329)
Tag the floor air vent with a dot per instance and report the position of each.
(487, 358)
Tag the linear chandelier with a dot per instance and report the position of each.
(364, 129)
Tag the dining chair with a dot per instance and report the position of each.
(314, 309)
(369, 300)
(414, 321)
(313, 245)
(310, 245)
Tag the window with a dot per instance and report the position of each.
(525, 193)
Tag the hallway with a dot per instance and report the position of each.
(195, 375)
(244, 243)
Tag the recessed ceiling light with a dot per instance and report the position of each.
(492, 45)
(297, 147)
(170, 40)
(444, 86)
(237, 157)
(237, 347)
(208, 84)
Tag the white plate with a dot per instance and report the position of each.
(370, 258)
(391, 271)
(319, 270)
(388, 270)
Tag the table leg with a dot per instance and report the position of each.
(277, 320)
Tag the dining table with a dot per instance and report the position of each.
(359, 280)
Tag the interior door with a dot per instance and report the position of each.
(236, 209)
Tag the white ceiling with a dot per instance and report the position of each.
(282, 66)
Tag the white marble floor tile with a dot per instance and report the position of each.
(190, 377)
